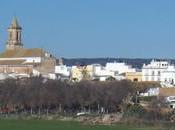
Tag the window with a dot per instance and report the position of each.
(172, 81)
(158, 73)
(17, 36)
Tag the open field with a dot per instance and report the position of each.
(58, 125)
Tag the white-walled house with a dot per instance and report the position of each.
(168, 76)
(152, 71)
(62, 71)
(99, 72)
(119, 68)
(110, 70)
(151, 92)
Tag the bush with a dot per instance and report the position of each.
(134, 111)
(148, 98)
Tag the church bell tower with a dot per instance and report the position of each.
(14, 36)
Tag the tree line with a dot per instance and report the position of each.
(37, 95)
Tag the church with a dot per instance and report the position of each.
(19, 60)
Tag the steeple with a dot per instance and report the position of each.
(14, 24)
(14, 35)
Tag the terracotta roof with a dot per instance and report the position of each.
(11, 62)
(35, 52)
(16, 62)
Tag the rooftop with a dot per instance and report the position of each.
(19, 53)
(11, 62)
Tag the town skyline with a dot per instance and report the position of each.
(95, 28)
(93, 64)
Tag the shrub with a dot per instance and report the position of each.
(135, 110)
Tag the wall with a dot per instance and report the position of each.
(16, 69)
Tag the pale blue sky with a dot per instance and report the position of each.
(94, 28)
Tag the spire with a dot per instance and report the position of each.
(14, 24)
(15, 34)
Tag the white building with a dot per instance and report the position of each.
(151, 92)
(62, 69)
(114, 70)
(152, 71)
(168, 76)
(119, 68)
(100, 72)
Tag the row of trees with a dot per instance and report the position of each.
(39, 95)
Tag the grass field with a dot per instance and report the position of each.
(57, 125)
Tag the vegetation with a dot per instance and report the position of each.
(59, 125)
(148, 99)
(37, 98)
(135, 111)
(40, 96)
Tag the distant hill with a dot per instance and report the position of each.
(137, 63)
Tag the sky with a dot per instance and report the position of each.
(94, 28)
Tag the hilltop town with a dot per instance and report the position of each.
(17, 61)
(49, 86)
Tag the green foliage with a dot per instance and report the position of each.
(58, 125)
(148, 98)
(134, 111)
